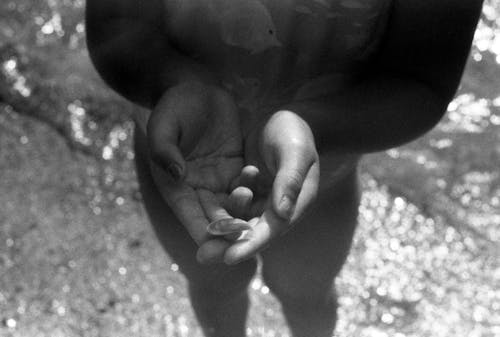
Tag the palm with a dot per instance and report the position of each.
(217, 157)
(207, 136)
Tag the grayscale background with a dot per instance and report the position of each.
(78, 256)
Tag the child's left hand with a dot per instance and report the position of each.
(278, 187)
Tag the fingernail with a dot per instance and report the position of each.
(213, 227)
(286, 206)
(232, 262)
(244, 236)
(175, 171)
(227, 226)
(241, 223)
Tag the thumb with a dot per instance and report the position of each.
(293, 167)
(163, 131)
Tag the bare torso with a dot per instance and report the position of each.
(268, 52)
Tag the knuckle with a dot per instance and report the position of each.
(284, 114)
(179, 198)
(297, 143)
(293, 180)
(302, 148)
(242, 193)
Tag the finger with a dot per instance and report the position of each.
(184, 202)
(163, 134)
(239, 202)
(258, 206)
(210, 203)
(270, 224)
(221, 222)
(264, 229)
(221, 198)
(212, 251)
(247, 178)
(227, 226)
(292, 171)
(308, 192)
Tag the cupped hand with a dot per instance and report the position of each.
(283, 174)
(197, 151)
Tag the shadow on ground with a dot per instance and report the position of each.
(78, 257)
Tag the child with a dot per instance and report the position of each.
(247, 97)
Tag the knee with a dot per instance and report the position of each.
(303, 290)
(221, 281)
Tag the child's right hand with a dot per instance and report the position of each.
(196, 149)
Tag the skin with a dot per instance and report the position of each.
(239, 129)
(200, 156)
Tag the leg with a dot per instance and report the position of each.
(301, 266)
(218, 293)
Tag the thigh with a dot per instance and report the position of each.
(174, 237)
(308, 257)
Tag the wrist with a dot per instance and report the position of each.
(279, 131)
(185, 70)
(318, 117)
(293, 130)
(142, 115)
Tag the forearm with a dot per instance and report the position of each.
(426, 45)
(136, 60)
(374, 115)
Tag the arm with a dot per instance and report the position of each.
(403, 95)
(409, 84)
(128, 44)
(190, 162)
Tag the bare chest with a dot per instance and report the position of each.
(277, 46)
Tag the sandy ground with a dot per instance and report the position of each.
(78, 257)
